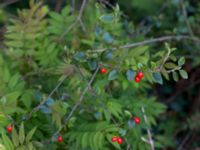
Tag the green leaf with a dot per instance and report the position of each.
(15, 138)
(107, 38)
(84, 140)
(165, 74)
(30, 146)
(183, 74)
(97, 145)
(107, 18)
(21, 133)
(157, 78)
(113, 75)
(175, 76)
(30, 134)
(107, 114)
(130, 75)
(13, 81)
(170, 65)
(138, 51)
(56, 16)
(7, 142)
(181, 61)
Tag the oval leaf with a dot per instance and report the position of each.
(175, 76)
(130, 75)
(108, 18)
(30, 134)
(181, 61)
(113, 75)
(21, 133)
(183, 74)
(157, 78)
(170, 65)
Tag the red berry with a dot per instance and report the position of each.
(60, 139)
(137, 79)
(114, 139)
(119, 140)
(140, 75)
(136, 120)
(9, 128)
(103, 70)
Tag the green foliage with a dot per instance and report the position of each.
(49, 79)
(91, 135)
(19, 141)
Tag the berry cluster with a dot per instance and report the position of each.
(139, 76)
(119, 140)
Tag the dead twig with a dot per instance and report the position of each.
(150, 140)
(150, 41)
(186, 18)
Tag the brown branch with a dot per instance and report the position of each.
(150, 140)
(35, 109)
(58, 5)
(78, 19)
(151, 41)
(67, 118)
(180, 147)
(9, 2)
(186, 18)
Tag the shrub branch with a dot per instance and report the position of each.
(150, 140)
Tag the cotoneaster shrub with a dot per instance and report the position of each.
(77, 80)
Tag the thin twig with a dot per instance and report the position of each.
(79, 102)
(35, 109)
(151, 41)
(150, 140)
(73, 5)
(58, 5)
(111, 6)
(186, 18)
(8, 3)
(78, 19)
(184, 141)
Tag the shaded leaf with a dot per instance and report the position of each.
(130, 75)
(107, 18)
(113, 75)
(170, 65)
(157, 78)
(30, 134)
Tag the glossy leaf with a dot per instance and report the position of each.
(113, 75)
(157, 78)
